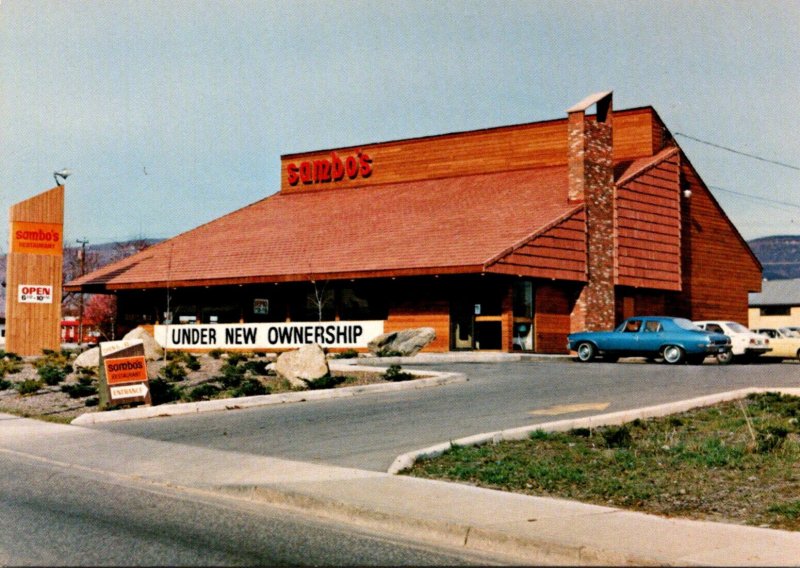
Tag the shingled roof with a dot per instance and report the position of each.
(458, 224)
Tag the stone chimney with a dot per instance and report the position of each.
(591, 181)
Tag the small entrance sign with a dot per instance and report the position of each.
(123, 373)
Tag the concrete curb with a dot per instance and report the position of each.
(408, 459)
(434, 379)
(459, 357)
(451, 533)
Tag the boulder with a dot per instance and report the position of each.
(89, 358)
(304, 364)
(152, 350)
(406, 343)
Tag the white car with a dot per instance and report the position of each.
(746, 345)
(785, 342)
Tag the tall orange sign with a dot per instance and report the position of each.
(34, 273)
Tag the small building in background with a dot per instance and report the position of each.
(777, 305)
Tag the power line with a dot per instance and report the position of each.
(764, 199)
(738, 152)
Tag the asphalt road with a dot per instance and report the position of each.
(51, 515)
(369, 431)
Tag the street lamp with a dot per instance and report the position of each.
(64, 173)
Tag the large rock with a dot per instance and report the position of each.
(406, 343)
(89, 358)
(305, 364)
(152, 350)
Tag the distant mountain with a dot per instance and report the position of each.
(97, 256)
(779, 255)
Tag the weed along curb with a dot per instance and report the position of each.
(432, 379)
(405, 461)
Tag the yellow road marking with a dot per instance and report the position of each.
(567, 408)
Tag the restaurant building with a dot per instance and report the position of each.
(502, 239)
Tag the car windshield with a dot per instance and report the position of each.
(686, 324)
(737, 327)
(788, 332)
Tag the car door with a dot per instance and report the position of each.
(626, 338)
(651, 336)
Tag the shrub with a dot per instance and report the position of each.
(172, 371)
(28, 386)
(5, 385)
(51, 374)
(250, 387)
(9, 366)
(770, 438)
(389, 352)
(346, 354)
(257, 367)
(395, 374)
(326, 382)
(206, 391)
(190, 361)
(216, 353)
(93, 401)
(232, 375)
(617, 436)
(162, 391)
(9, 355)
(84, 387)
(234, 358)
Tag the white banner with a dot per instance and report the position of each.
(35, 294)
(337, 334)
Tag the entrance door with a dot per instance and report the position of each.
(462, 326)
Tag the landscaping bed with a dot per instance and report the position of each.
(50, 388)
(736, 462)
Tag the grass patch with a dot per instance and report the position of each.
(735, 462)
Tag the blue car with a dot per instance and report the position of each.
(676, 340)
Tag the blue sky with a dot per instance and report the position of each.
(172, 113)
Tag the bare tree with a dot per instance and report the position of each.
(322, 297)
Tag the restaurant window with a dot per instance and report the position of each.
(361, 303)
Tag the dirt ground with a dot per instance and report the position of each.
(52, 403)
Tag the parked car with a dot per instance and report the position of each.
(676, 340)
(745, 344)
(784, 343)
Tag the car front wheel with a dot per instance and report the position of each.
(586, 352)
(673, 354)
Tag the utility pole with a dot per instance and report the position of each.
(82, 259)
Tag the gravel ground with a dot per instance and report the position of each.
(51, 403)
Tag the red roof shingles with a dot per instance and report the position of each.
(403, 228)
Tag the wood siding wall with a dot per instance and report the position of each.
(542, 144)
(559, 253)
(433, 313)
(718, 267)
(648, 227)
(33, 327)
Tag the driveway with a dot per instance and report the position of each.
(368, 432)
